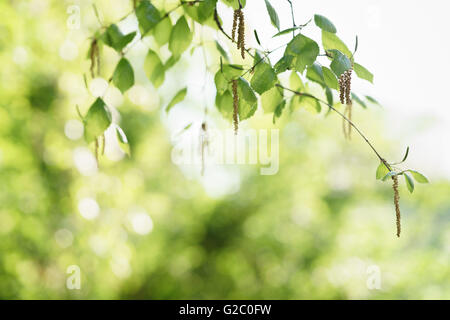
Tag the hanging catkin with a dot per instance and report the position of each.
(235, 23)
(241, 34)
(239, 24)
(397, 205)
(235, 105)
(345, 88)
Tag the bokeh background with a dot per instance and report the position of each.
(145, 228)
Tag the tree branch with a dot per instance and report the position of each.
(343, 117)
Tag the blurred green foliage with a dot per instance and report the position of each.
(311, 231)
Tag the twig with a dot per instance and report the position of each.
(293, 19)
(266, 54)
(343, 117)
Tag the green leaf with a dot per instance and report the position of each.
(304, 50)
(382, 171)
(420, 178)
(359, 101)
(171, 62)
(222, 51)
(409, 182)
(330, 78)
(406, 155)
(123, 141)
(232, 71)
(362, 72)
(162, 31)
(154, 68)
(201, 12)
(340, 63)
(311, 105)
(283, 64)
(97, 120)
(180, 37)
(206, 10)
(273, 15)
(177, 99)
(123, 77)
(371, 99)
(224, 103)
(278, 111)
(324, 24)
(264, 78)
(296, 82)
(221, 83)
(248, 102)
(286, 31)
(388, 175)
(148, 16)
(235, 3)
(314, 73)
(256, 37)
(331, 41)
(329, 95)
(271, 99)
(113, 38)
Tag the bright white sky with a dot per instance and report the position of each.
(407, 47)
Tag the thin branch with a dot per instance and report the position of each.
(266, 54)
(343, 117)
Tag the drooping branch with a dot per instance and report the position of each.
(350, 122)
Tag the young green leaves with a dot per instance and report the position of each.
(420, 178)
(123, 77)
(362, 72)
(123, 141)
(180, 37)
(324, 24)
(303, 50)
(148, 16)
(264, 78)
(383, 173)
(331, 41)
(96, 121)
(114, 38)
(179, 96)
(154, 68)
(341, 63)
(273, 15)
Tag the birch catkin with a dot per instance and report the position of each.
(397, 205)
(235, 23)
(239, 24)
(241, 34)
(235, 105)
(345, 89)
